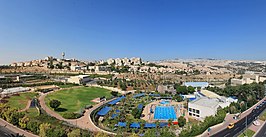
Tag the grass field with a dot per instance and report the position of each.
(67, 86)
(263, 116)
(32, 112)
(72, 100)
(248, 133)
(21, 101)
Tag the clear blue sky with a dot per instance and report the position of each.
(151, 29)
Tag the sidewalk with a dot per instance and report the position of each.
(15, 129)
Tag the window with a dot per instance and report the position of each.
(189, 109)
(197, 111)
(194, 110)
(197, 115)
(190, 114)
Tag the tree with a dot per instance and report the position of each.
(74, 133)
(101, 134)
(54, 104)
(178, 98)
(55, 132)
(114, 93)
(33, 126)
(23, 122)
(181, 121)
(43, 129)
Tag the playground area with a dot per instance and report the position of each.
(163, 110)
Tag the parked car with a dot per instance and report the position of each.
(256, 123)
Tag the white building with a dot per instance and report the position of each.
(75, 68)
(110, 61)
(126, 62)
(204, 106)
(80, 79)
(136, 61)
(118, 62)
(14, 90)
(197, 84)
(248, 79)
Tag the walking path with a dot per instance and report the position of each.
(15, 129)
(27, 107)
(84, 122)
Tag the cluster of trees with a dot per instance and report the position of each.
(163, 132)
(136, 84)
(180, 72)
(177, 98)
(114, 93)
(181, 121)
(197, 129)
(43, 125)
(155, 65)
(183, 89)
(248, 92)
(108, 76)
(136, 113)
(120, 69)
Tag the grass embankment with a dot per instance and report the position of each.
(20, 101)
(263, 116)
(247, 133)
(73, 100)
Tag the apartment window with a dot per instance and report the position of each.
(197, 115)
(193, 110)
(189, 109)
(193, 114)
(190, 114)
(197, 111)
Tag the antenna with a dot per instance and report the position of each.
(63, 55)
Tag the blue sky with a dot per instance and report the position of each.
(151, 29)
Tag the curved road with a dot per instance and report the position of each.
(241, 124)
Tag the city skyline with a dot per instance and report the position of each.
(93, 30)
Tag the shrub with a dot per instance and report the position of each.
(71, 115)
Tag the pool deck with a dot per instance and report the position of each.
(150, 117)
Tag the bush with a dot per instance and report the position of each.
(71, 115)
(54, 103)
(3, 101)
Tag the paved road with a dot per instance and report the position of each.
(4, 132)
(262, 132)
(241, 124)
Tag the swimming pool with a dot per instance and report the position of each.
(165, 113)
(165, 102)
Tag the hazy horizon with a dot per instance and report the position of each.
(152, 30)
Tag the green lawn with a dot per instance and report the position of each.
(32, 112)
(263, 116)
(72, 100)
(248, 133)
(21, 101)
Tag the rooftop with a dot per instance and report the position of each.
(197, 84)
(206, 102)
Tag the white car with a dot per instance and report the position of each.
(256, 123)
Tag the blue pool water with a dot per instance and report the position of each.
(164, 113)
(165, 102)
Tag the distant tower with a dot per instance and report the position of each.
(63, 55)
